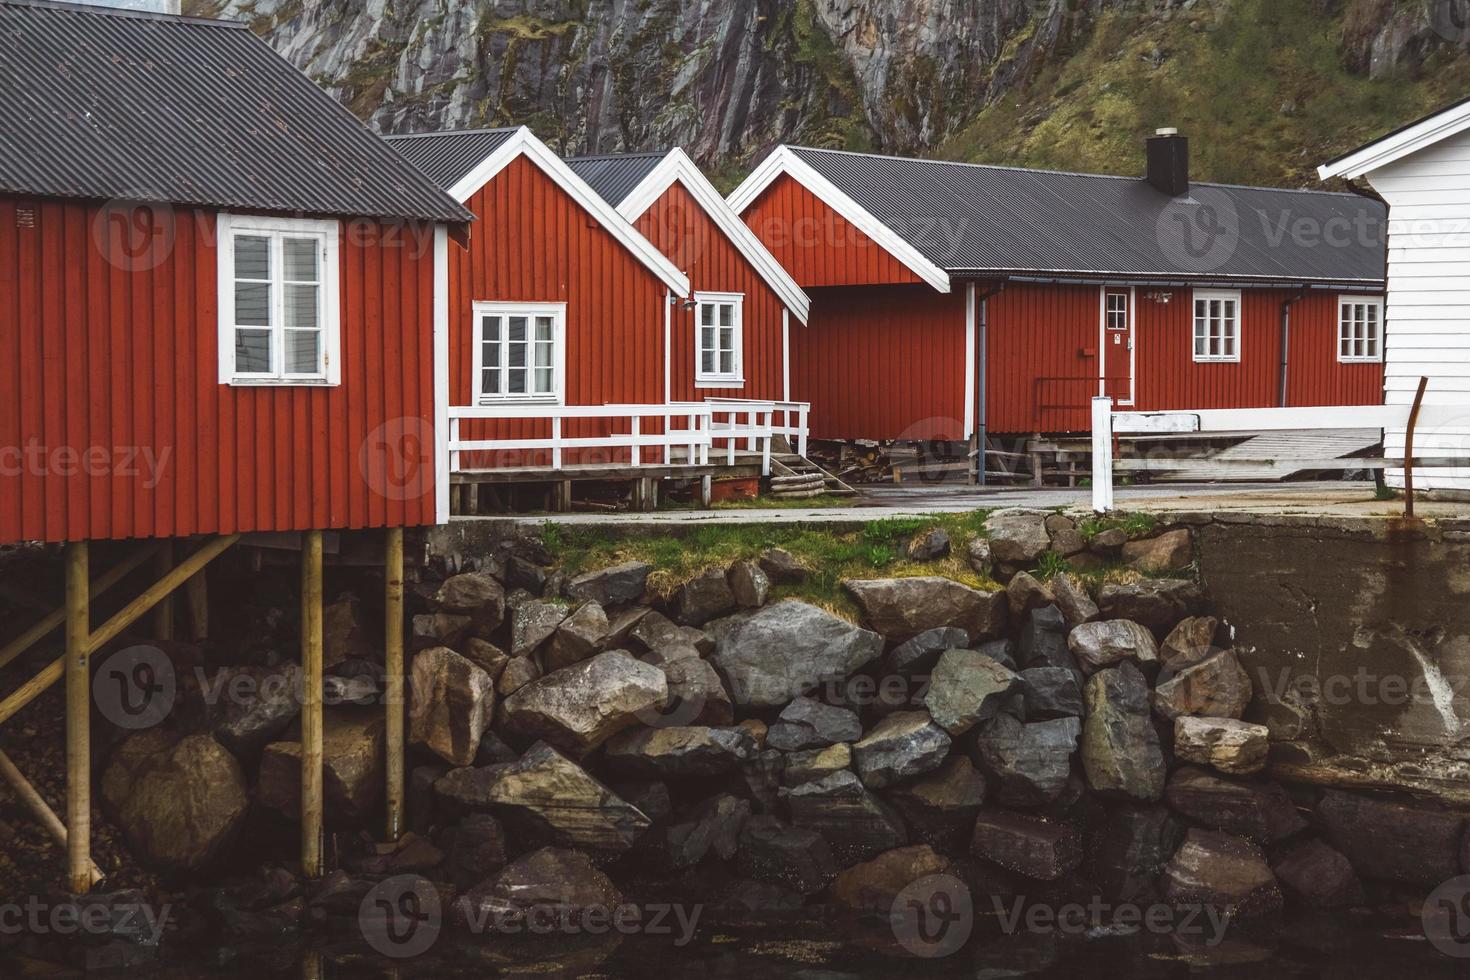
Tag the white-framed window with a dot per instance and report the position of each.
(280, 319)
(519, 352)
(1360, 329)
(1217, 325)
(1115, 310)
(718, 339)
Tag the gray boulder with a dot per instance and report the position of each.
(809, 724)
(552, 882)
(919, 655)
(902, 608)
(1261, 812)
(1129, 849)
(1221, 871)
(1044, 641)
(966, 688)
(473, 594)
(940, 807)
(1120, 748)
(580, 707)
(1231, 746)
(1030, 846)
(696, 695)
(901, 746)
(748, 584)
(1050, 692)
(785, 650)
(1216, 687)
(1189, 643)
(798, 858)
(855, 822)
(932, 545)
(804, 767)
(657, 632)
(1157, 603)
(712, 828)
(1073, 600)
(579, 636)
(619, 585)
(671, 753)
(532, 623)
(1029, 765)
(782, 567)
(1018, 537)
(453, 702)
(1102, 644)
(1316, 875)
(705, 597)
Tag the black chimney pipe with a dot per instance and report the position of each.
(1168, 162)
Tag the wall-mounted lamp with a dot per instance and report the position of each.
(1161, 297)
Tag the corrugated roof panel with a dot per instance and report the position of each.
(614, 177)
(448, 157)
(972, 218)
(104, 104)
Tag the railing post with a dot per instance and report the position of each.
(556, 442)
(453, 439)
(1102, 454)
(766, 453)
(730, 442)
(668, 443)
(637, 451)
(802, 430)
(78, 720)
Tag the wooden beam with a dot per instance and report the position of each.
(311, 705)
(43, 813)
(181, 573)
(196, 595)
(32, 689)
(393, 666)
(78, 721)
(163, 613)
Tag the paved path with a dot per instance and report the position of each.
(1323, 499)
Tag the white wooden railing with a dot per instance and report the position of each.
(689, 430)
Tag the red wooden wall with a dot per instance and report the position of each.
(816, 245)
(113, 423)
(687, 235)
(535, 244)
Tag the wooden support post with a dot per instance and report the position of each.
(562, 496)
(1409, 449)
(706, 491)
(163, 613)
(44, 815)
(393, 665)
(196, 595)
(78, 721)
(311, 704)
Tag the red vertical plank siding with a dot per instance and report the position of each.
(681, 229)
(1042, 351)
(113, 423)
(815, 244)
(535, 244)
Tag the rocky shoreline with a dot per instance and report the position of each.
(1084, 731)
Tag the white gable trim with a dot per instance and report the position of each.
(785, 162)
(1377, 155)
(525, 143)
(677, 167)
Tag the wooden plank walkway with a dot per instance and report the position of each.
(1286, 445)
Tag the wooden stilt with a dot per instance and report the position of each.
(311, 704)
(706, 491)
(163, 613)
(78, 721)
(393, 663)
(196, 595)
(44, 815)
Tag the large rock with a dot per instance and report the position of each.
(1128, 850)
(352, 769)
(1120, 749)
(1018, 537)
(853, 820)
(532, 623)
(1231, 746)
(697, 696)
(812, 764)
(619, 585)
(1027, 845)
(1416, 845)
(874, 886)
(671, 753)
(580, 707)
(1258, 811)
(1073, 599)
(1044, 641)
(657, 632)
(1171, 551)
(931, 545)
(1319, 876)
(476, 850)
(579, 636)
(796, 857)
(783, 567)
(485, 655)
(439, 629)
(941, 806)
(473, 594)
(1221, 871)
(966, 688)
(1189, 643)
(1029, 765)
(901, 608)
(1024, 592)
(1217, 687)
(453, 701)
(178, 803)
(902, 746)
(917, 656)
(1102, 644)
(705, 597)
(1158, 603)
(712, 828)
(258, 705)
(1050, 692)
(553, 882)
(809, 724)
(748, 584)
(785, 650)
(550, 796)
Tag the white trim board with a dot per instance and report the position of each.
(525, 143)
(677, 167)
(1381, 153)
(784, 162)
(441, 375)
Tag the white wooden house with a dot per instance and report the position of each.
(1422, 172)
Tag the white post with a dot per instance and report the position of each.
(801, 435)
(730, 442)
(556, 442)
(766, 453)
(1102, 454)
(668, 447)
(637, 454)
(454, 438)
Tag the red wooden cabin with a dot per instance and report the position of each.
(573, 342)
(954, 301)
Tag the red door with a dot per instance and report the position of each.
(1117, 343)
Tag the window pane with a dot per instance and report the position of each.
(707, 314)
(490, 353)
(252, 304)
(252, 351)
(492, 328)
(727, 340)
(517, 329)
(302, 259)
(727, 362)
(516, 354)
(301, 307)
(517, 378)
(490, 381)
(302, 352)
(707, 360)
(727, 314)
(252, 257)
(543, 381)
(543, 328)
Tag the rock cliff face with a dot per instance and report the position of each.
(728, 78)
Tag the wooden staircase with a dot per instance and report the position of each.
(794, 477)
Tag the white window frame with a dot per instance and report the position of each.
(329, 235)
(718, 379)
(558, 314)
(1374, 341)
(1207, 295)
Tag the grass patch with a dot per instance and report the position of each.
(1385, 493)
(876, 549)
(1133, 525)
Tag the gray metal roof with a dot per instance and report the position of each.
(104, 104)
(968, 218)
(615, 177)
(448, 157)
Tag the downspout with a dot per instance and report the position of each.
(1286, 306)
(982, 330)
